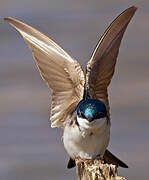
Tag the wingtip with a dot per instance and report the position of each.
(123, 165)
(10, 20)
(131, 10)
(7, 19)
(71, 163)
(134, 8)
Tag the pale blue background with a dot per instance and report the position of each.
(29, 148)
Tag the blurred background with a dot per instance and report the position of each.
(29, 148)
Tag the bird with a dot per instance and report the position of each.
(79, 99)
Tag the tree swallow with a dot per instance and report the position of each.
(80, 103)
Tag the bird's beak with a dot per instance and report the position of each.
(90, 119)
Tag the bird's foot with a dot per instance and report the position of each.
(99, 157)
(81, 160)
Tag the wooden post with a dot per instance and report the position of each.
(96, 170)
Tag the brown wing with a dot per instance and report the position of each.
(100, 67)
(62, 73)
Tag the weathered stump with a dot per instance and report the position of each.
(96, 170)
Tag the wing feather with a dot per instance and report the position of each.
(61, 72)
(100, 67)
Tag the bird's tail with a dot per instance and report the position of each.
(108, 158)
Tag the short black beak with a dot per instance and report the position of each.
(90, 119)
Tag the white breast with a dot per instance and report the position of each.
(87, 140)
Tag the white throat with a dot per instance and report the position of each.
(96, 124)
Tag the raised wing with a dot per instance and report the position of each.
(62, 73)
(100, 67)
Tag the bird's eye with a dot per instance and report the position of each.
(82, 115)
(100, 115)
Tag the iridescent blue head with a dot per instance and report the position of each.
(91, 109)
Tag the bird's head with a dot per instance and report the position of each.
(91, 113)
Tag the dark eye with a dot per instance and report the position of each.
(100, 115)
(82, 115)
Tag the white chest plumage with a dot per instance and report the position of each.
(88, 140)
